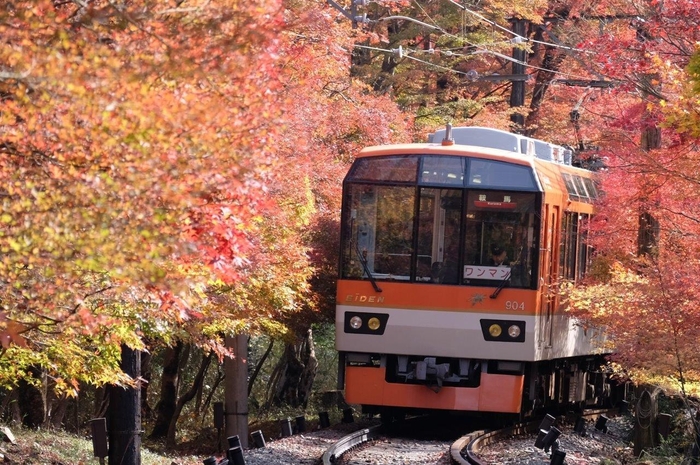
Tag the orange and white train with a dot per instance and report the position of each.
(451, 252)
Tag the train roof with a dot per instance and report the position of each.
(510, 142)
(439, 149)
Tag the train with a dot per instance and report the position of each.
(451, 253)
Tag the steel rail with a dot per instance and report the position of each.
(464, 451)
(348, 442)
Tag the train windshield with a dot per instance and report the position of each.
(404, 222)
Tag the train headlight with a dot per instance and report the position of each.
(503, 330)
(514, 331)
(356, 322)
(365, 323)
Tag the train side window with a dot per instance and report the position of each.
(571, 187)
(575, 253)
(569, 244)
(580, 188)
(591, 188)
(584, 250)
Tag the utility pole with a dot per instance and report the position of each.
(517, 96)
(648, 233)
(236, 388)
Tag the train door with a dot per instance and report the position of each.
(547, 303)
(431, 233)
(438, 235)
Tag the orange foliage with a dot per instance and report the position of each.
(648, 302)
(160, 166)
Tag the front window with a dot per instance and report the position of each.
(379, 232)
(500, 238)
(432, 234)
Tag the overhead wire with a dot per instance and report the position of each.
(480, 47)
(405, 53)
(498, 26)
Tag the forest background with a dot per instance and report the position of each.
(170, 178)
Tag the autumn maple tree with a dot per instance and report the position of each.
(646, 233)
(617, 82)
(162, 168)
(132, 165)
(172, 171)
(329, 117)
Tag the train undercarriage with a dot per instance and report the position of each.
(532, 387)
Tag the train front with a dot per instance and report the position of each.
(436, 301)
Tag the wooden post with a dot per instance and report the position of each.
(124, 420)
(236, 388)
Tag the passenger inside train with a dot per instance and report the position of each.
(498, 255)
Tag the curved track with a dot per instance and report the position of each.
(463, 451)
(401, 439)
(350, 441)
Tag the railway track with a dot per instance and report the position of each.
(423, 440)
(464, 451)
(349, 442)
(359, 447)
(543, 434)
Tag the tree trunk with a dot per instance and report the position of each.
(124, 414)
(56, 407)
(57, 412)
(101, 402)
(517, 94)
(188, 396)
(165, 408)
(310, 368)
(9, 405)
(551, 63)
(648, 230)
(31, 400)
(236, 388)
(220, 375)
(259, 365)
(146, 374)
(294, 374)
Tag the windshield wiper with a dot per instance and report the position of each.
(365, 266)
(500, 286)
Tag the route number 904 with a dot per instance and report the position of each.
(515, 305)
